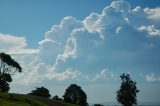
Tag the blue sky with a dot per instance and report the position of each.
(33, 18)
(91, 43)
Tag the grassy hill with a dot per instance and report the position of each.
(9, 99)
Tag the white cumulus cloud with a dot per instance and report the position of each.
(121, 5)
(74, 48)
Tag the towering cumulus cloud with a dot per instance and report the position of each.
(118, 39)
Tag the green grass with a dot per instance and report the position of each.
(7, 99)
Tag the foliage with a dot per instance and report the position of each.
(8, 67)
(127, 93)
(74, 94)
(42, 92)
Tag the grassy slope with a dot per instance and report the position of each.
(8, 99)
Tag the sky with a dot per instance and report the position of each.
(87, 42)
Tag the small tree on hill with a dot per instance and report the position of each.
(43, 92)
(8, 67)
(127, 93)
(57, 98)
(74, 94)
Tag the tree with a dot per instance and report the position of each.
(8, 67)
(42, 91)
(57, 98)
(127, 93)
(74, 94)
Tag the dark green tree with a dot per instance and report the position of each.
(42, 92)
(127, 93)
(74, 94)
(55, 97)
(8, 67)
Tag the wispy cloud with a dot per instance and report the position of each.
(67, 74)
(152, 77)
(14, 45)
(11, 42)
(153, 14)
(101, 75)
(151, 30)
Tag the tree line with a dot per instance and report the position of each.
(126, 94)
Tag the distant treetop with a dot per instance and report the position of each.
(42, 91)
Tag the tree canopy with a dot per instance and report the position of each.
(74, 94)
(8, 67)
(127, 93)
(42, 92)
